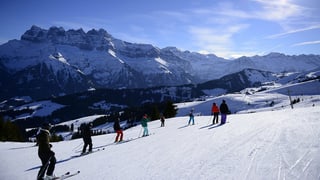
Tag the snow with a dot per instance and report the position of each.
(258, 141)
(78, 122)
(278, 144)
(41, 108)
(58, 56)
(112, 53)
(260, 101)
(161, 61)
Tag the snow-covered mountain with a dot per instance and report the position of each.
(55, 61)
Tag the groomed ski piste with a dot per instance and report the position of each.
(258, 142)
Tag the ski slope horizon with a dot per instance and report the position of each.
(258, 142)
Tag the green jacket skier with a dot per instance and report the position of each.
(144, 124)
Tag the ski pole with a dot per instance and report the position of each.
(77, 146)
(43, 168)
(210, 117)
(140, 132)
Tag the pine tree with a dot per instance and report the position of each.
(170, 110)
(56, 138)
(1, 129)
(155, 114)
(9, 131)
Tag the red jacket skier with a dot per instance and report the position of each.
(117, 128)
(215, 112)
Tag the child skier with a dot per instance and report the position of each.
(191, 117)
(162, 119)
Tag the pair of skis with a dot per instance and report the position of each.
(87, 153)
(131, 139)
(65, 175)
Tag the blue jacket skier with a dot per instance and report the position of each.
(191, 117)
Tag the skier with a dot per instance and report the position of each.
(224, 111)
(117, 128)
(45, 153)
(191, 117)
(86, 136)
(215, 113)
(144, 124)
(162, 119)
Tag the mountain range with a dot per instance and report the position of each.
(55, 62)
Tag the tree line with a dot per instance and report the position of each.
(16, 130)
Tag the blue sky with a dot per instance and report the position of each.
(228, 29)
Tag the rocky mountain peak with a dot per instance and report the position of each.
(275, 55)
(58, 35)
(34, 34)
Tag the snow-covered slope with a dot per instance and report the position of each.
(259, 142)
(280, 144)
(275, 98)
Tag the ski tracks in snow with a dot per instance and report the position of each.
(263, 153)
(248, 150)
(276, 148)
(306, 152)
(294, 148)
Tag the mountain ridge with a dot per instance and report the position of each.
(75, 60)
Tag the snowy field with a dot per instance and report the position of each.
(258, 142)
(282, 144)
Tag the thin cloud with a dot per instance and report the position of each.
(223, 10)
(306, 43)
(215, 40)
(176, 15)
(278, 10)
(220, 17)
(272, 10)
(294, 31)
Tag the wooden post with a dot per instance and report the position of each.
(290, 99)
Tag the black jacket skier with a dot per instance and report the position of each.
(45, 153)
(224, 110)
(162, 119)
(86, 136)
(117, 128)
(224, 107)
(116, 125)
